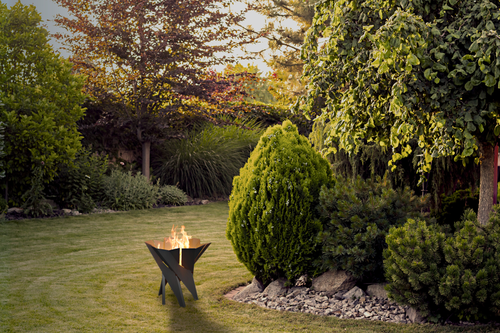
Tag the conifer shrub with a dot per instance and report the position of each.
(360, 214)
(455, 276)
(273, 219)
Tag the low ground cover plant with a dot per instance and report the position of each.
(125, 191)
(273, 221)
(359, 215)
(445, 276)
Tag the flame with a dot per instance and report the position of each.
(178, 240)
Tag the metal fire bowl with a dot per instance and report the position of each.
(173, 272)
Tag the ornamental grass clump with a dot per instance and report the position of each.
(360, 214)
(454, 276)
(273, 221)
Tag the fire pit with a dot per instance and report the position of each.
(176, 257)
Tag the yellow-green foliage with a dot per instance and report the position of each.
(273, 221)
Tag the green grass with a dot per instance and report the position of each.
(95, 274)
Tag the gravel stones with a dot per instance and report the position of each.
(302, 299)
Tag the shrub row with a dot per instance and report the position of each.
(443, 275)
(88, 182)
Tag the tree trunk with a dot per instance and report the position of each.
(486, 183)
(146, 149)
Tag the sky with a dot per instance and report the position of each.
(49, 9)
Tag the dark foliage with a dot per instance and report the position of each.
(454, 276)
(360, 214)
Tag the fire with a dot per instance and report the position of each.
(178, 240)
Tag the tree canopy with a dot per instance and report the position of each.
(150, 56)
(284, 43)
(392, 71)
(40, 100)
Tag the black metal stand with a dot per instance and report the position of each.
(173, 273)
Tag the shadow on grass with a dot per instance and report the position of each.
(191, 318)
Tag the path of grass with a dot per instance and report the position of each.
(95, 274)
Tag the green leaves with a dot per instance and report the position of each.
(413, 60)
(41, 106)
(489, 80)
(419, 69)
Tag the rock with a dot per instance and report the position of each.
(254, 287)
(377, 290)
(204, 202)
(333, 281)
(276, 288)
(414, 316)
(66, 211)
(354, 293)
(75, 212)
(15, 210)
(302, 281)
(51, 202)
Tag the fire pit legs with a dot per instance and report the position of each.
(173, 273)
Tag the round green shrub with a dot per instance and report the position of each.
(360, 213)
(454, 277)
(273, 218)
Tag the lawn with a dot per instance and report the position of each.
(95, 274)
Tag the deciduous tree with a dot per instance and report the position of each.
(392, 71)
(150, 55)
(39, 100)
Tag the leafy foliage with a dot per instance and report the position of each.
(34, 201)
(445, 177)
(2, 149)
(124, 191)
(273, 221)
(393, 71)
(446, 276)
(171, 195)
(148, 57)
(204, 163)
(80, 185)
(40, 98)
(360, 214)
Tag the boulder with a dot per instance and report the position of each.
(354, 293)
(253, 288)
(15, 210)
(333, 281)
(66, 211)
(414, 316)
(204, 202)
(377, 290)
(51, 202)
(276, 288)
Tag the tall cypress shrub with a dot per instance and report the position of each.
(273, 218)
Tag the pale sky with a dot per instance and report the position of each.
(49, 9)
